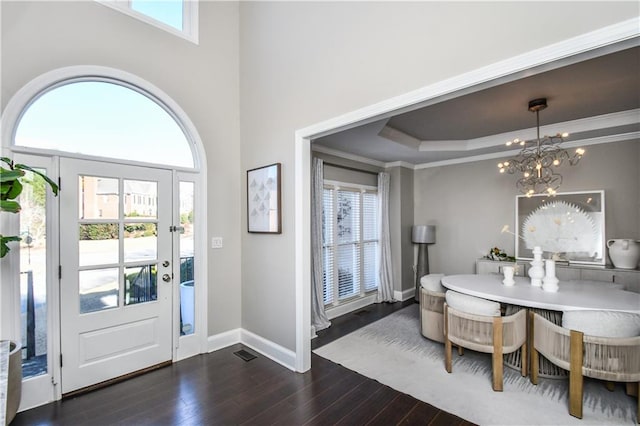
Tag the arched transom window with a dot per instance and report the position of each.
(107, 119)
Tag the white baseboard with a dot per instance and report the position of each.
(273, 351)
(404, 294)
(222, 340)
(345, 308)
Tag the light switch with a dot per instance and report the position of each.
(216, 242)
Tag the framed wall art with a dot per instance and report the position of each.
(264, 214)
(568, 226)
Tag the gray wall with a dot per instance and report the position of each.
(203, 79)
(470, 203)
(400, 222)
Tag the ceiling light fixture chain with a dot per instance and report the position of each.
(539, 158)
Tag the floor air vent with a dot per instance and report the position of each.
(246, 356)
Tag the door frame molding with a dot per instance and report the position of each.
(609, 39)
(19, 102)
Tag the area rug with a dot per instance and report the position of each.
(393, 352)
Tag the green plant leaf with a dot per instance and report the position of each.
(9, 206)
(10, 175)
(52, 184)
(4, 188)
(4, 248)
(15, 191)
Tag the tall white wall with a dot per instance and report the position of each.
(303, 63)
(470, 203)
(203, 79)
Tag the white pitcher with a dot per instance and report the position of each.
(624, 253)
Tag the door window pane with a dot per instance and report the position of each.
(98, 289)
(33, 276)
(187, 283)
(140, 199)
(98, 244)
(97, 198)
(140, 284)
(140, 241)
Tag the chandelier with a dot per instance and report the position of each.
(539, 158)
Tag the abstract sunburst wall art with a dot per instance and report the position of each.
(263, 200)
(559, 227)
(568, 226)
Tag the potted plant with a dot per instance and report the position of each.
(11, 184)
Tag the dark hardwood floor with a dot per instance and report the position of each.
(221, 389)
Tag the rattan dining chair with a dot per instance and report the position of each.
(614, 359)
(432, 307)
(476, 324)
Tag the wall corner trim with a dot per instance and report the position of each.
(222, 340)
(404, 294)
(271, 350)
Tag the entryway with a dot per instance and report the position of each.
(108, 279)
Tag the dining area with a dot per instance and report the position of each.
(573, 330)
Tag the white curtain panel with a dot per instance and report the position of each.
(385, 286)
(319, 318)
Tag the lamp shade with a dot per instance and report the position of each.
(423, 234)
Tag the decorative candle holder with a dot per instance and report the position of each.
(536, 272)
(550, 282)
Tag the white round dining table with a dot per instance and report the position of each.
(571, 295)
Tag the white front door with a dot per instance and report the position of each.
(116, 270)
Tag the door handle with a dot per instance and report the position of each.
(166, 278)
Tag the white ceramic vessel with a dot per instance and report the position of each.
(624, 253)
(508, 275)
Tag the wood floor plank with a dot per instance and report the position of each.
(345, 405)
(395, 411)
(322, 399)
(368, 409)
(421, 413)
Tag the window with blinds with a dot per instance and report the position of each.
(350, 242)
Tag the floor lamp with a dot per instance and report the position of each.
(422, 235)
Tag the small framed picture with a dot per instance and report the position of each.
(264, 214)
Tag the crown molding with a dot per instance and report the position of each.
(621, 137)
(346, 155)
(604, 121)
(400, 164)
